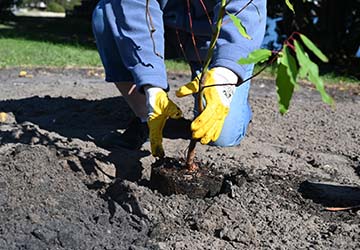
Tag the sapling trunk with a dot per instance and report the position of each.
(190, 164)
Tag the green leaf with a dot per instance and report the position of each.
(311, 46)
(315, 78)
(289, 62)
(237, 22)
(286, 79)
(311, 70)
(284, 88)
(259, 55)
(303, 60)
(290, 6)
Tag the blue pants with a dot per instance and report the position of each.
(116, 70)
(239, 117)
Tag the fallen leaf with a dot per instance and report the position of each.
(336, 209)
(22, 73)
(3, 116)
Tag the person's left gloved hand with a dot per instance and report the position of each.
(160, 108)
(208, 125)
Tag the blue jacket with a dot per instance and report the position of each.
(131, 23)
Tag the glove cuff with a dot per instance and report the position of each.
(225, 75)
(151, 91)
(151, 94)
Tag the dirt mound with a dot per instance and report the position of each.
(44, 206)
(59, 190)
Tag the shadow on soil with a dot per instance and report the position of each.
(87, 120)
(58, 123)
(72, 118)
(330, 195)
(83, 119)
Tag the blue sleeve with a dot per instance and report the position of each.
(231, 45)
(130, 26)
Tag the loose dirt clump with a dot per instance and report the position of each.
(59, 190)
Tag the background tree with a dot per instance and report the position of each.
(5, 4)
(333, 25)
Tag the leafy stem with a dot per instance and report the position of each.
(191, 150)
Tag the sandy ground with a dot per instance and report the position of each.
(59, 190)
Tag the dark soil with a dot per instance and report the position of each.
(59, 190)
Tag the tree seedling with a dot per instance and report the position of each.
(292, 63)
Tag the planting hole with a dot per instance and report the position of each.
(169, 176)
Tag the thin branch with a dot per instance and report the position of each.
(249, 78)
(151, 28)
(206, 12)
(192, 32)
(244, 7)
(239, 11)
(181, 45)
(191, 152)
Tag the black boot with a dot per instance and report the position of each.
(136, 134)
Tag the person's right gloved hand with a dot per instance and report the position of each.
(219, 83)
(160, 108)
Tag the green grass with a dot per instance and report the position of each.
(177, 66)
(26, 53)
(19, 52)
(328, 78)
(29, 42)
(3, 26)
(332, 78)
(39, 42)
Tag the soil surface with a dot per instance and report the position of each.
(59, 190)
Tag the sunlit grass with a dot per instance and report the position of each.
(3, 26)
(27, 53)
(177, 66)
(21, 52)
(332, 78)
(328, 78)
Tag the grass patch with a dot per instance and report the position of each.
(328, 78)
(177, 66)
(3, 26)
(332, 78)
(26, 53)
(39, 42)
(69, 42)
(21, 52)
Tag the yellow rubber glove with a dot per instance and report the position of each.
(160, 108)
(208, 125)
